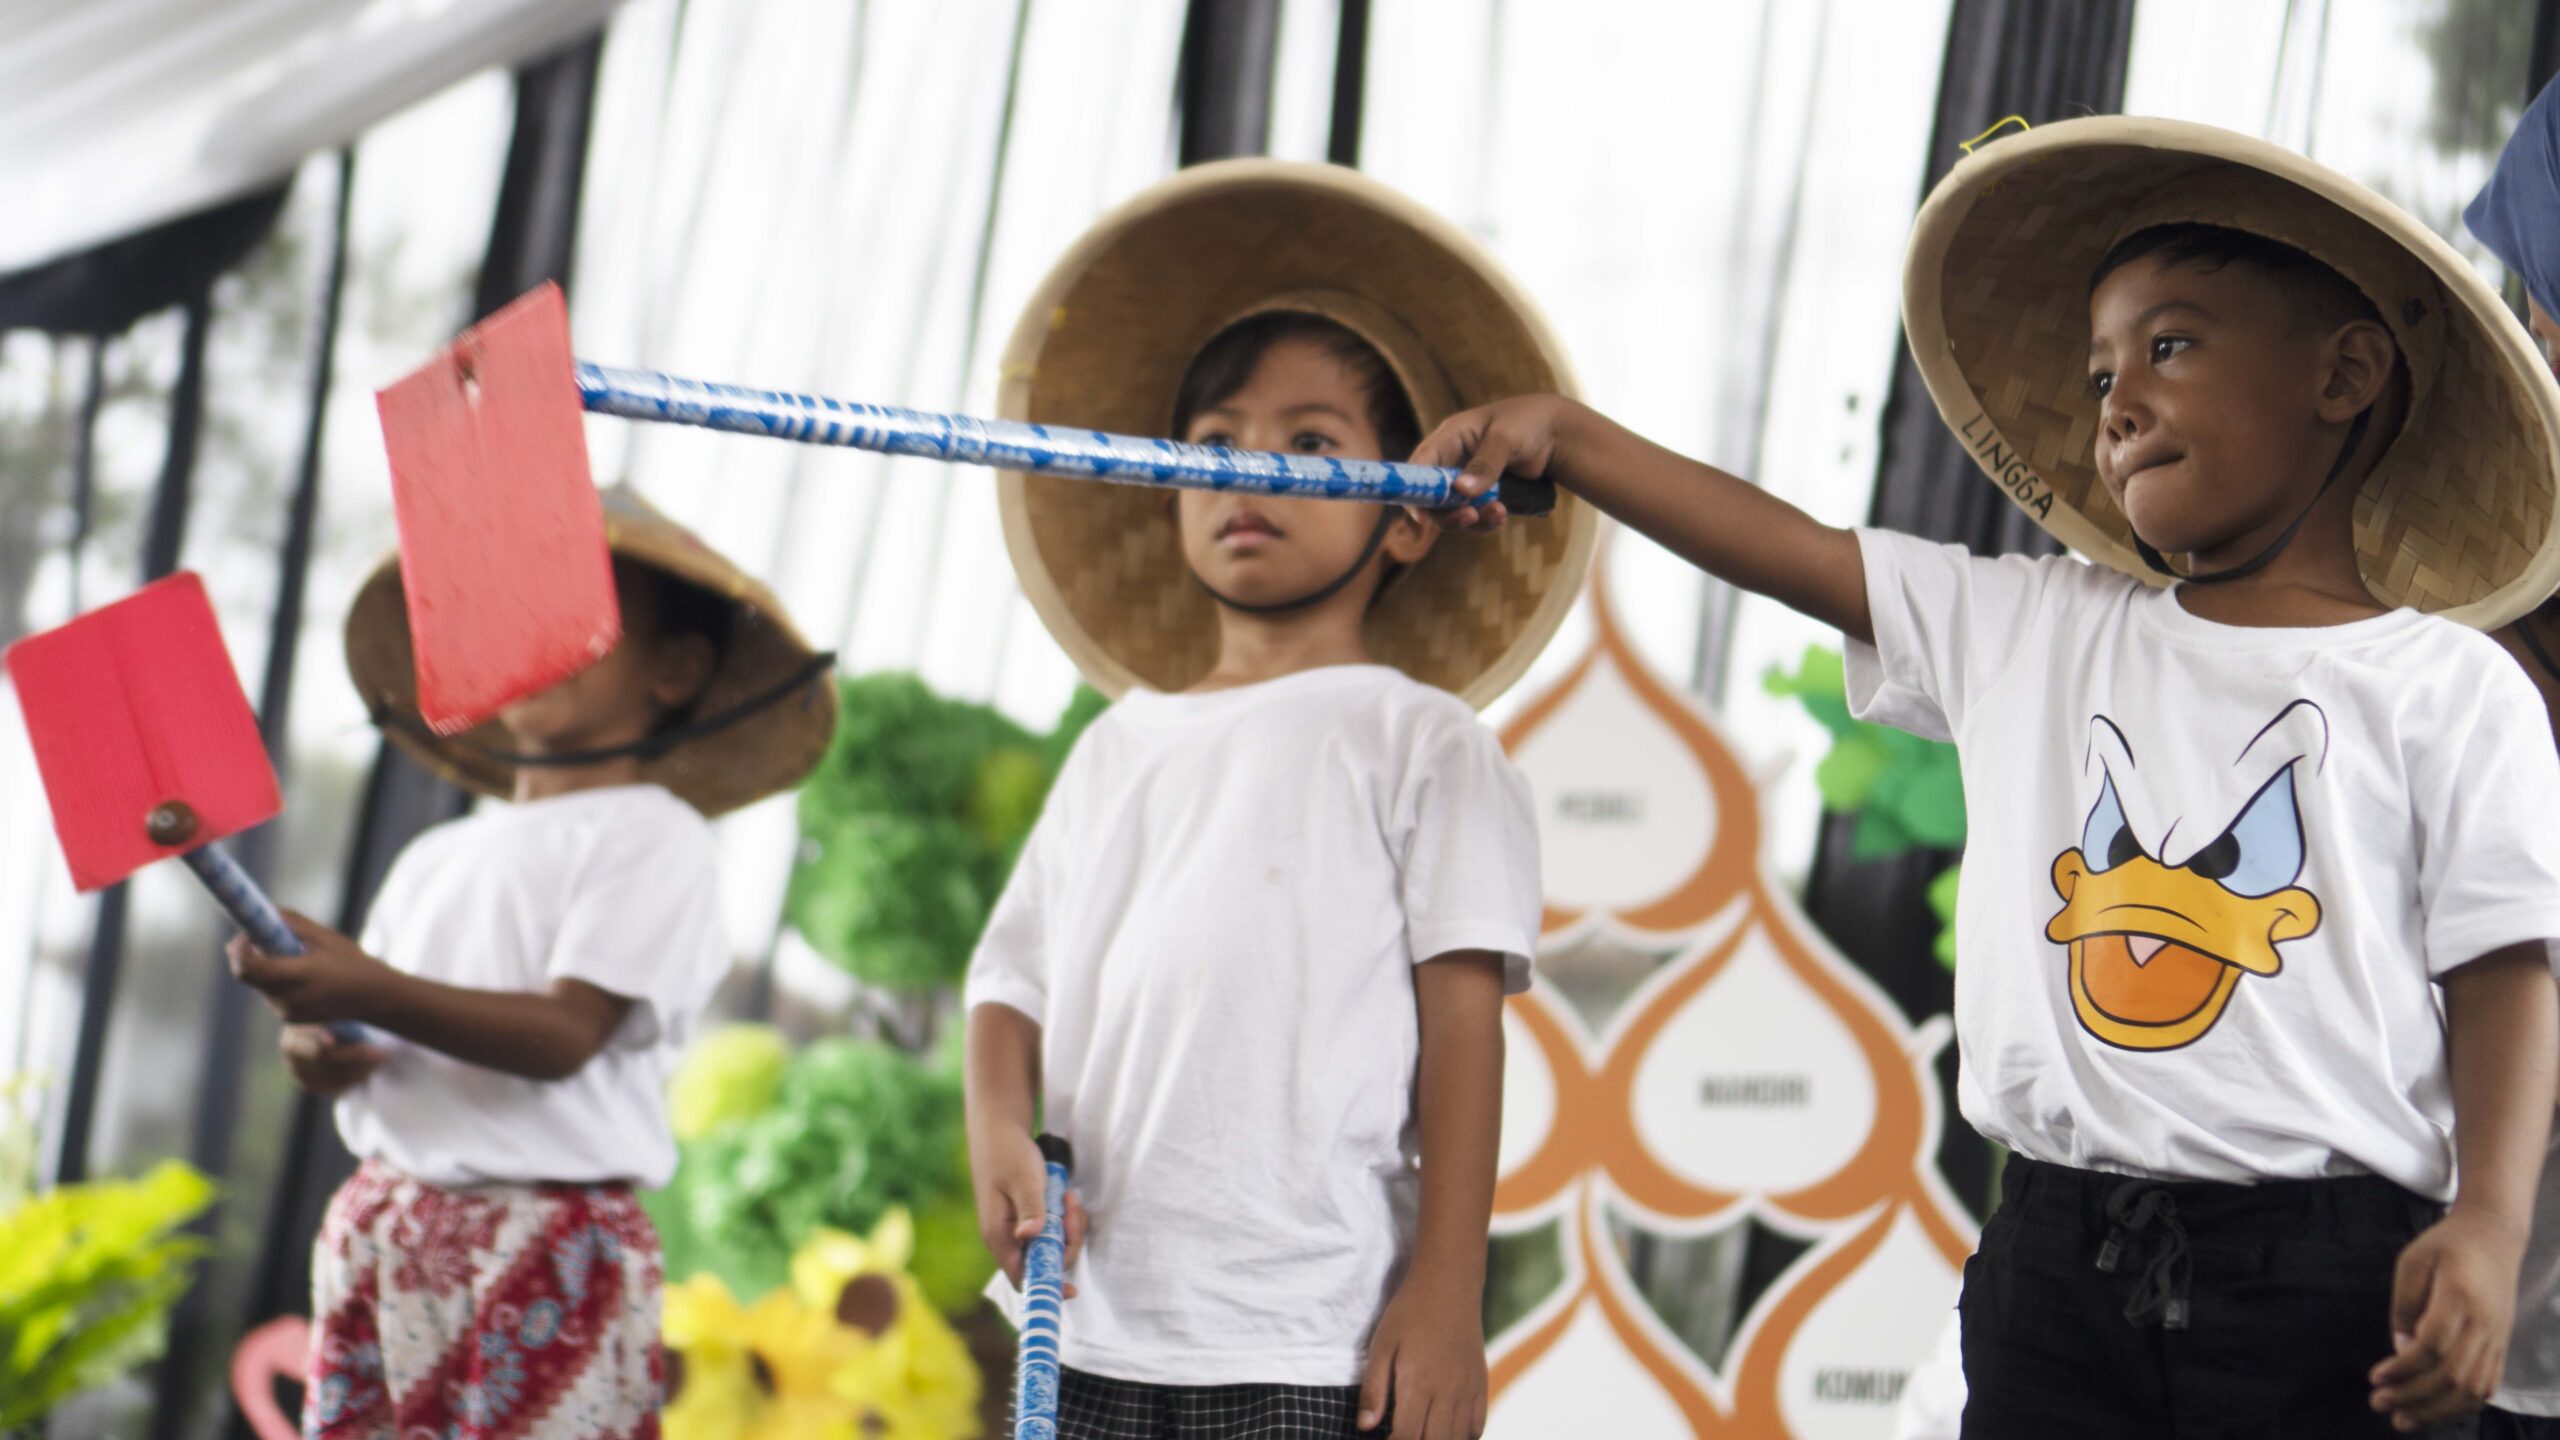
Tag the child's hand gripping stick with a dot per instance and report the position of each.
(1044, 1280)
(148, 748)
(502, 549)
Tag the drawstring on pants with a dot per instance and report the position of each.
(2168, 1269)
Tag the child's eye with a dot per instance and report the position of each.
(2101, 383)
(1219, 438)
(2165, 346)
(1311, 442)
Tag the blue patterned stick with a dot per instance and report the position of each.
(255, 914)
(1039, 449)
(1044, 1279)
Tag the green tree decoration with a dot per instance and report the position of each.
(910, 825)
(854, 1128)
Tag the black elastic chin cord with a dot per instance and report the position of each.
(1368, 552)
(2260, 561)
(647, 747)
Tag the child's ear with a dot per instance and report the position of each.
(2362, 362)
(681, 670)
(1409, 537)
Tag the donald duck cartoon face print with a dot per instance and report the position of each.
(2185, 884)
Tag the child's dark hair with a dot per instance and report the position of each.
(2315, 296)
(675, 609)
(1228, 361)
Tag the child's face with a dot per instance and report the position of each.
(1261, 550)
(622, 696)
(2212, 402)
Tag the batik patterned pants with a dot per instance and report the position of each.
(489, 1313)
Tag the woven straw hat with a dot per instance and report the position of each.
(2456, 517)
(767, 751)
(1108, 336)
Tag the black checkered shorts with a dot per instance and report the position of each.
(1093, 1407)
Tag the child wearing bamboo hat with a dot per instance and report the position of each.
(537, 967)
(2235, 839)
(1252, 961)
(2517, 215)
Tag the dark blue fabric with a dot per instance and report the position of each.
(2517, 214)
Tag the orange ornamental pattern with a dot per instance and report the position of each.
(1755, 1074)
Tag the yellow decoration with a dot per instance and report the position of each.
(760, 1372)
(796, 1366)
(918, 1382)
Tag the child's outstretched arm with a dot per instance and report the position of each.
(1718, 522)
(2453, 1297)
(1428, 1347)
(1002, 1077)
(536, 1034)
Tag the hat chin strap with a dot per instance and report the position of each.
(2275, 547)
(1322, 593)
(647, 747)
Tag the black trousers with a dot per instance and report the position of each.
(2496, 1424)
(1097, 1407)
(2100, 1306)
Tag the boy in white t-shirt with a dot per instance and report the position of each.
(1252, 961)
(2517, 215)
(2232, 839)
(536, 967)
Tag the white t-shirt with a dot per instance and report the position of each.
(1216, 922)
(2211, 870)
(611, 886)
(2531, 1385)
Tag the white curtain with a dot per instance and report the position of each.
(807, 196)
(1710, 202)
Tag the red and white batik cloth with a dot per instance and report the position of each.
(489, 1313)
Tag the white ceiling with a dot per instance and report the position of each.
(118, 114)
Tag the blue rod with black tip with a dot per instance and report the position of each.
(1044, 1286)
(1035, 449)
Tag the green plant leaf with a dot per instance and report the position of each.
(1877, 837)
(1847, 775)
(1930, 807)
(1942, 899)
(87, 1275)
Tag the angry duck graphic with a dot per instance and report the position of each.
(2184, 884)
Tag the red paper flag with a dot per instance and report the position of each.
(502, 542)
(131, 707)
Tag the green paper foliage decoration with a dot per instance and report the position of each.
(1906, 792)
(910, 824)
(854, 1128)
(733, 1073)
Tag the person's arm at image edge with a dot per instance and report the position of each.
(2453, 1296)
